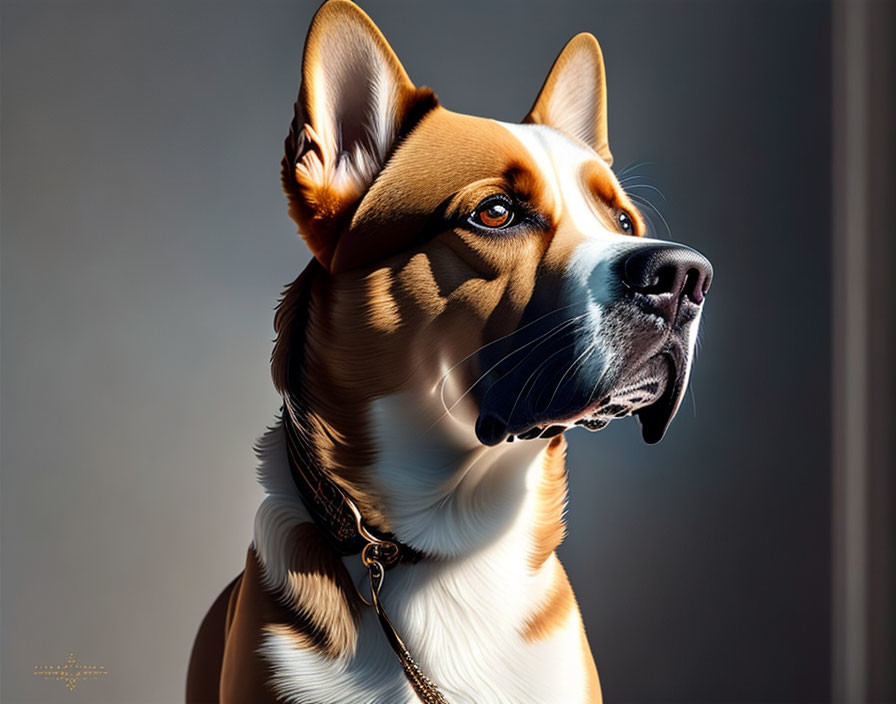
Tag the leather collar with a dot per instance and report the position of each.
(335, 514)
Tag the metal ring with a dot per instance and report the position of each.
(369, 554)
(377, 574)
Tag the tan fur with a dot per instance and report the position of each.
(322, 592)
(595, 696)
(244, 673)
(384, 314)
(548, 526)
(554, 611)
(204, 672)
(318, 614)
(448, 160)
(610, 198)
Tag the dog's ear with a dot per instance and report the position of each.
(354, 103)
(574, 96)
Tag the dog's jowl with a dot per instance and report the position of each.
(476, 290)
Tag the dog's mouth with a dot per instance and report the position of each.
(652, 393)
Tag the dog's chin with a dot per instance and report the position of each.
(652, 392)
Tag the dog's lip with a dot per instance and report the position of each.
(491, 429)
(656, 417)
(625, 401)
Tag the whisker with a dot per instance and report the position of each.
(588, 351)
(542, 338)
(650, 205)
(523, 388)
(596, 384)
(550, 333)
(637, 177)
(636, 165)
(484, 347)
(646, 185)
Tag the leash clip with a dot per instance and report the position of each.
(375, 549)
(378, 555)
(376, 572)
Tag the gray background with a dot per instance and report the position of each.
(144, 243)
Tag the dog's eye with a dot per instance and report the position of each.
(493, 213)
(625, 222)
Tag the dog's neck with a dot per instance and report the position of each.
(393, 425)
(437, 492)
(443, 496)
(457, 506)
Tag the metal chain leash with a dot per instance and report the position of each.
(375, 555)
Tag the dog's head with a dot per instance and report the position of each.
(500, 268)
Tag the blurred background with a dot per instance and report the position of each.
(746, 558)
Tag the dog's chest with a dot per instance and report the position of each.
(463, 624)
(467, 619)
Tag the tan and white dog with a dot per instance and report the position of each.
(477, 288)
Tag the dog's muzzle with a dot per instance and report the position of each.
(625, 351)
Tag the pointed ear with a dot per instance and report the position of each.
(574, 96)
(355, 102)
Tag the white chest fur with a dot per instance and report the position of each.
(462, 616)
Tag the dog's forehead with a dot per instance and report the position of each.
(444, 154)
(574, 173)
(448, 152)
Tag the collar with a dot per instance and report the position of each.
(335, 514)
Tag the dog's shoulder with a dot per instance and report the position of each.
(317, 614)
(225, 666)
(204, 671)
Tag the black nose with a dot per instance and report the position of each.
(660, 270)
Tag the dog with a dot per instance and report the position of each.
(476, 290)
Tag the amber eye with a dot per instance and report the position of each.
(493, 213)
(625, 222)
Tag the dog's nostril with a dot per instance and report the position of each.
(662, 269)
(693, 286)
(702, 282)
(664, 281)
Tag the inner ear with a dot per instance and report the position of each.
(352, 85)
(573, 98)
(355, 102)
